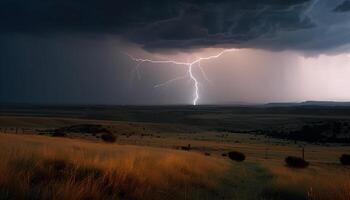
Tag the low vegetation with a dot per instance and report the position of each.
(313, 183)
(84, 128)
(108, 137)
(58, 134)
(236, 156)
(345, 159)
(296, 162)
(39, 167)
(329, 131)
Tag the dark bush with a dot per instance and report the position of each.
(296, 162)
(108, 137)
(186, 148)
(345, 159)
(58, 134)
(224, 154)
(237, 156)
(86, 128)
(207, 154)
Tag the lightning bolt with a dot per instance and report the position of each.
(196, 95)
(204, 73)
(189, 65)
(170, 81)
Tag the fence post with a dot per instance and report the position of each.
(303, 151)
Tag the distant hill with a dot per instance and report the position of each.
(309, 103)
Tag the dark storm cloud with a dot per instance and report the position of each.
(343, 7)
(223, 23)
(68, 51)
(176, 24)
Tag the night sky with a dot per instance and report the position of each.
(75, 51)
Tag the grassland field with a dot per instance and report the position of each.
(146, 161)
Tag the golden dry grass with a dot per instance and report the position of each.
(318, 182)
(36, 167)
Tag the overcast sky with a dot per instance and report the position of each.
(75, 52)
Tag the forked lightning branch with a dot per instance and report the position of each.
(190, 66)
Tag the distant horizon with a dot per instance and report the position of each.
(310, 102)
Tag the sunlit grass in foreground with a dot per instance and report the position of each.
(34, 167)
(38, 167)
(318, 182)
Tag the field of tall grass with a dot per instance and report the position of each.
(41, 167)
(38, 167)
(318, 182)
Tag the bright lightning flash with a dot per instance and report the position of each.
(189, 65)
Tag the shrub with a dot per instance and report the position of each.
(84, 128)
(186, 148)
(58, 134)
(345, 159)
(296, 162)
(237, 156)
(108, 137)
(224, 154)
